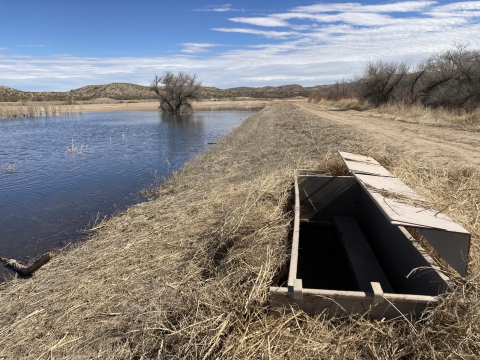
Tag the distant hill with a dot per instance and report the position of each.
(125, 91)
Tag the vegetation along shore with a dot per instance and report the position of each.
(186, 275)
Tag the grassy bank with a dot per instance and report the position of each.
(416, 114)
(186, 275)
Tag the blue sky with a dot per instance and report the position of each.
(60, 45)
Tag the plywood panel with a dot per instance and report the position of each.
(363, 262)
(403, 207)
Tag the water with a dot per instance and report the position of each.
(50, 195)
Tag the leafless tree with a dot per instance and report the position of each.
(176, 92)
(383, 80)
(451, 79)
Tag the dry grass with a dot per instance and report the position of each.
(34, 109)
(187, 274)
(417, 114)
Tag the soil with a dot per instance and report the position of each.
(450, 147)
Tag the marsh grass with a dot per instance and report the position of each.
(34, 109)
(419, 114)
(186, 275)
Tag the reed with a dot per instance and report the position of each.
(34, 109)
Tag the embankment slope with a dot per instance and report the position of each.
(186, 275)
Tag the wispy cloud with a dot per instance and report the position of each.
(309, 45)
(195, 48)
(218, 8)
(261, 21)
(268, 34)
(403, 6)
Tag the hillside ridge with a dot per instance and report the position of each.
(127, 91)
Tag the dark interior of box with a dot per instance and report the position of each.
(323, 262)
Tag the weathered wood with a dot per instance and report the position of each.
(340, 303)
(298, 289)
(403, 207)
(365, 266)
(377, 293)
(23, 270)
(292, 274)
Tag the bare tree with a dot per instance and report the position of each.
(451, 79)
(383, 80)
(178, 91)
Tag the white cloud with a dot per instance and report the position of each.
(465, 5)
(318, 44)
(194, 48)
(267, 34)
(403, 6)
(218, 8)
(261, 21)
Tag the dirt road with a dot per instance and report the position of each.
(450, 147)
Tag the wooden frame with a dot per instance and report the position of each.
(414, 279)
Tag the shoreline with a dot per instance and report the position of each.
(186, 275)
(53, 108)
(153, 105)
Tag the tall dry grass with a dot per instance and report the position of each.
(187, 275)
(418, 114)
(34, 109)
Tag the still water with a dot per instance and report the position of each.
(52, 191)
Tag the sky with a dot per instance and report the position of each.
(58, 45)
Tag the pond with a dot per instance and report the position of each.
(61, 175)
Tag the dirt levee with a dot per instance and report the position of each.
(186, 275)
(451, 147)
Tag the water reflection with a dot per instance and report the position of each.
(52, 195)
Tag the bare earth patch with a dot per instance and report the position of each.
(449, 146)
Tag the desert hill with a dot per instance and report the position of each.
(125, 91)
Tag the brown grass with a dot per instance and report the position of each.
(417, 114)
(186, 275)
(34, 109)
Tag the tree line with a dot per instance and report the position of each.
(450, 79)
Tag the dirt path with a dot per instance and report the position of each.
(450, 147)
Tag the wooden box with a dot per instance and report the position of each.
(351, 253)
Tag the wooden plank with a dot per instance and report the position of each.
(377, 293)
(390, 185)
(297, 289)
(387, 191)
(364, 264)
(340, 303)
(360, 164)
(405, 214)
(403, 207)
(292, 273)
